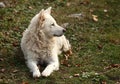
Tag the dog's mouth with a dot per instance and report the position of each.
(58, 35)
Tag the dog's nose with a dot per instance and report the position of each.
(64, 30)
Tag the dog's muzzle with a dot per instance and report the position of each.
(58, 35)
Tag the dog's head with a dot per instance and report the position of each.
(48, 24)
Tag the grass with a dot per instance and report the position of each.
(96, 45)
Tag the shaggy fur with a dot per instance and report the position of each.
(42, 42)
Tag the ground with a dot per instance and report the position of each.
(94, 36)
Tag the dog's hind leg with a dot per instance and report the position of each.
(32, 65)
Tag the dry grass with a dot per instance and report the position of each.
(96, 44)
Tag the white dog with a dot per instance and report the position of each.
(42, 42)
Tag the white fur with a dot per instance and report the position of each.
(43, 41)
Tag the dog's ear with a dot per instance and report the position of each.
(48, 10)
(41, 18)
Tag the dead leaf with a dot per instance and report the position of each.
(15, 44)
(91, 10)
(78, 65)
(95, 18)
(70, 76)
(115, 41)
(115, 65)
(85, 2)
(105, 10)
(67, 54)
(46, 3)
(2, 5)
(107, 15)
(100, 46)
(112, 66)
(14, 71)
(68, 4)
(78, 15)
(24, 82)
(1, 59)
(76, 75)
(1, 80)
(65, 63)
(117, 82)
(103, 82)
(2, 70)
(66, 57)
(16, 29)
(65, 25)
(30, 7)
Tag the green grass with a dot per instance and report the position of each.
(96, 45)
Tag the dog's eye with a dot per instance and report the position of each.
(52, 24)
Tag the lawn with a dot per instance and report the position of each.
(94, 35)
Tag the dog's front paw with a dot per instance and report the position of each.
(57, 68)
(36, 74)
(46, 73)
